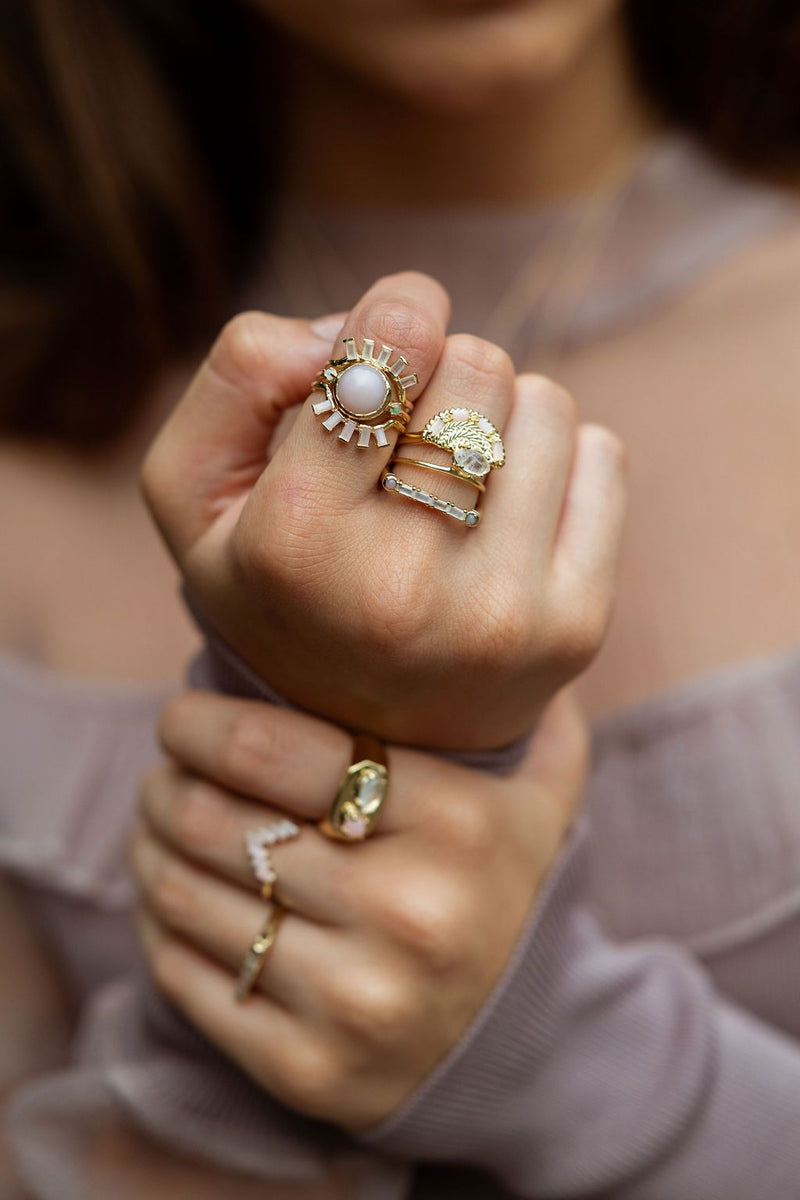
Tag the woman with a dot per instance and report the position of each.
(719, 268)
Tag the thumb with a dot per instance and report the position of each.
(215, 444)
(557, 759)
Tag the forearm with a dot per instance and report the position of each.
(600, 1069)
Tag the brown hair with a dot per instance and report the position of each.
(728, 71)
(132, 187)
(135, 138)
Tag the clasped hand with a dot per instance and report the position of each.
(389, 947)
(378, 616)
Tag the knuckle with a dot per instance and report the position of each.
(249, 745)
(170, 891)
(241, 352)
(409, 331)
(374, 1007)
(465, 824)
(479, 357)
(173, 718)
(552, 400)
(198, 819)
(313, 1080)
(606, 442)
(581, 634)
(430, 920)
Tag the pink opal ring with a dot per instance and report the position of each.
(364, 395)
(361, 793)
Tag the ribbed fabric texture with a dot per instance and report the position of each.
(601, 1069)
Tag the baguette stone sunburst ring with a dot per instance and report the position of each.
(364, 394)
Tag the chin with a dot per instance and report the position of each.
(475, 65)
(467, 87)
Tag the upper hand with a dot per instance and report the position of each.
(364, 607)
(389, 947)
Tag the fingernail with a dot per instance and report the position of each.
(328, 327)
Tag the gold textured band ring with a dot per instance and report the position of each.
(364, 393)
(254, 959)
(429, 466)
(361, 793)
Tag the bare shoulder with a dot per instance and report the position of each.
(761, 283)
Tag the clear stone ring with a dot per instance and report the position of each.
(472, 439)
(361, 793)
(364, 393)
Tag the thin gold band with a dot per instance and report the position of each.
(456, 474)
(253, 963)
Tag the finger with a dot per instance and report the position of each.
(590, 532)
(294, 763)
(407, 312)
(272, 1044)
(527, 496)
(286, 759)
(209, 826)
(214, 445)
(220, 920)
(472, 374)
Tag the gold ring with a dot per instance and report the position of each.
(254, 959)
(361, 793)
(474, 442)
(257, 843)
(429, 466)
(364, 393)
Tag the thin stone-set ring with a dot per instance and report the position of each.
(364, 393)
(253, 962)
(474, 442)
(360, 795)
(391, 482)
(257, 844)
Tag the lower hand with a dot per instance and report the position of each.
(389, 948)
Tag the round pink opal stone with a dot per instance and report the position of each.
(362, 389)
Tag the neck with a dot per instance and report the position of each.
(575, 134)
